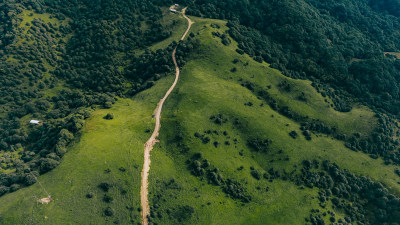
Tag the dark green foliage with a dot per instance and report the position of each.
(205, 139)
(216, 144)
(109, 116)
(317, 220)
(258, 144)
(293, 134)
(107, 198)
(219, 119)
(225, 39)
(321, 47)
(202, 168)
(397, 171)
(109, 211)
(256, 174)
(182, 213)
(366, 196)
(236, 191)
(105, 186)
(87, 66)
(240, 51)
(47, 164)
(318, 126)
(89, 195)
(307, 134)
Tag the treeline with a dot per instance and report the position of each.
(339, 44)
(84, 57)
(6, 24)
(361, 199)
(380, 143)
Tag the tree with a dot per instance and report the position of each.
(47, 164)
(109, 116)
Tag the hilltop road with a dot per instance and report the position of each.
(153, 139)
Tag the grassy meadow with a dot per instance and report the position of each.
(207, 87)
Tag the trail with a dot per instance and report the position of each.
(148, 146)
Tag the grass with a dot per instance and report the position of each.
(177, 23)
(173, 21)
(104, 144)
(206, 87)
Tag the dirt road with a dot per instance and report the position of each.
(148, 146)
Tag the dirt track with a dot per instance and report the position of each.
(148, 146)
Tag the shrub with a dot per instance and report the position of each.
(107, 105)
(108, 198)
(256, 174)
(293, 134)
(89, 195)
(3, 190)
(105, 186)
(258, 144)
(109, 116)
(240, 51)
(183, 213)
(47, 165)
(109, 211)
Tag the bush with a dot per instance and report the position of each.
(183, 213)
(107, 198)
(109, 211)
(109, 116)
(240, 51)
(293, 134)
(107, 105)
(256, 174)
(89, 195)
(47, 164)
(3, 190)
(105, 186)
(259, 145)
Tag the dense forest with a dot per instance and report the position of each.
(346, 48)
(341, 44)
(84, 55)
(58, 70)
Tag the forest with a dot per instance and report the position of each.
(86, 54)
(338, 44)
(48, 74)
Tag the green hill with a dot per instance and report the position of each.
(250, 170)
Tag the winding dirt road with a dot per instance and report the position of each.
(148, 146)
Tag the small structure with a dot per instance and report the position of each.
(172, 10)
(176, 5)
(153, 116)
(35, 122)
(45, 200)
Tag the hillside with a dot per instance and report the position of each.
(261, 128)
(209, 113)
(208, 88)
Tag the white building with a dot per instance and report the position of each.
(36, 122)
(172, 10)
(176, 5)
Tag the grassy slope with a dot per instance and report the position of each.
(177, 30)
(207, 87)
(104, 144)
